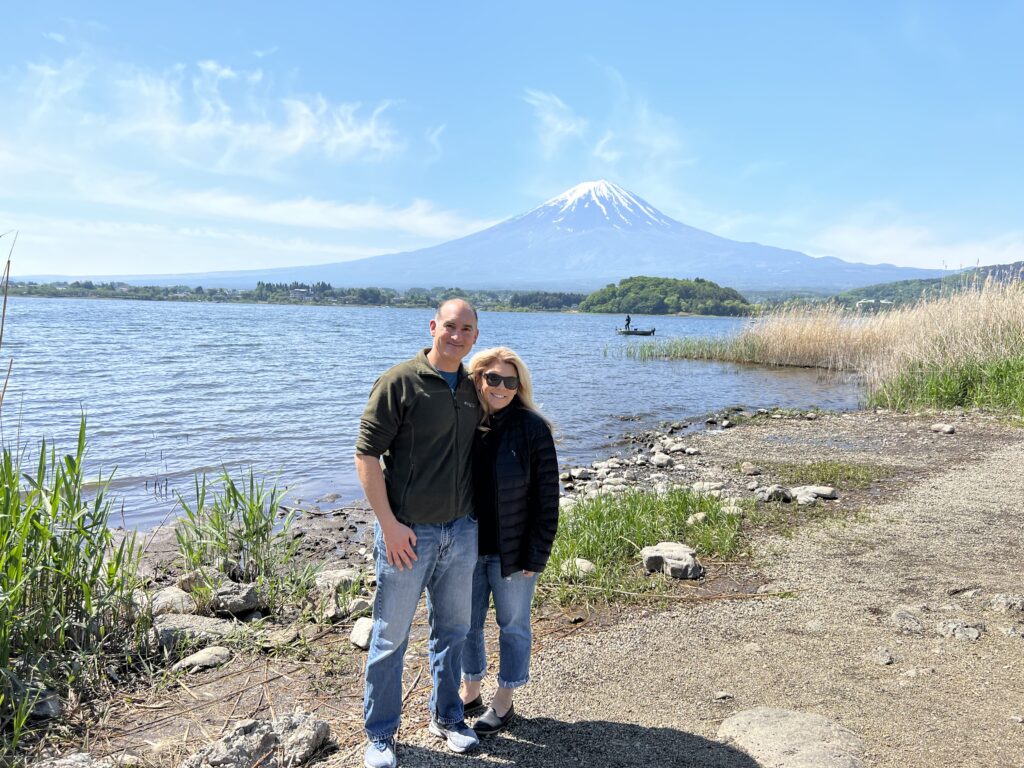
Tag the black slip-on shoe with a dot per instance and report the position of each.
(490, 723)
(474, 707)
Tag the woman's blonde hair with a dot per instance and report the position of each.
(484, 359)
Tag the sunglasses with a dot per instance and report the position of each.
(494, 379)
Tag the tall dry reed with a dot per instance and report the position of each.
(967, 332)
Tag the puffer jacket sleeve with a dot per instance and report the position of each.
(543, 496)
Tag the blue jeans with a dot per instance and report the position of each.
(446, 556)
(513, 597)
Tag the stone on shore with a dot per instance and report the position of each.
(959, 630)
(673, 559)
(749, 469)
(662, 460)
(286, 742)
(213, 656)
(237, 599)
(200, 578)
(773, 493)
(782, 738)
(361, 631)
(943, 429)
(707, 486)
(579, 569)
(906, 621)
(173, 600)
(172, 627)
(76, 760)
(1007, 603)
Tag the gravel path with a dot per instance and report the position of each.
(646, 690)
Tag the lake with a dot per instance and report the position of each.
(174, 389)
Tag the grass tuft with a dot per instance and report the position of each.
(610, 531)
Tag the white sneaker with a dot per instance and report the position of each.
(380, 754)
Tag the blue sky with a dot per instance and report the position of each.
(137, 138)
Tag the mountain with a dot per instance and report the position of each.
(591, 235)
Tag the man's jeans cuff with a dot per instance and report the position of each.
(446, 721)
(382, 736)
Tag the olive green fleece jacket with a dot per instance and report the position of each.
(425, 432)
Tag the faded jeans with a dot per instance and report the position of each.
(447, 554)
(513, 598)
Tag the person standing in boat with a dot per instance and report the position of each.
(515, 496)
(628, 321)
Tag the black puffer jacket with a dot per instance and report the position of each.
(523, 479)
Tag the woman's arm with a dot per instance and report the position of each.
(542, 496)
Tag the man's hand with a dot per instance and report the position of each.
(400, 542)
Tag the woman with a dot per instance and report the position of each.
(515, 477)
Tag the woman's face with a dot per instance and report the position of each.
(498, 395)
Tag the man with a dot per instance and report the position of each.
(421, 419)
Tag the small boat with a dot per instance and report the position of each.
(635, 331)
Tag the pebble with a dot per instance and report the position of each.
(944, 429)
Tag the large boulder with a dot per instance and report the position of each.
(286, 742)
(172, 600)
(782, 738)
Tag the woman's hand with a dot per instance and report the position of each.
(528, 574)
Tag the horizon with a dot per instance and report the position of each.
(135, 142)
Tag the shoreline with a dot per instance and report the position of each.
(798, 608)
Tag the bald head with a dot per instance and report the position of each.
(461, 304)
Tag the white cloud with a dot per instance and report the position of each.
(262, 53)
(557, 122)
(910, 245)
(434, 140)
(56, 37)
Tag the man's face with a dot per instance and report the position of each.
(455, 332)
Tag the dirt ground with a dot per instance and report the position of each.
(938, 534)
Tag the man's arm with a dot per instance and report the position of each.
(399, 539)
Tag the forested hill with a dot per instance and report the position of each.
(666, 295)
(911, 291)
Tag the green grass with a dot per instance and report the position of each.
(997, 385)
(231, 527)
(66, 587)
(610, 531)
(842, 475)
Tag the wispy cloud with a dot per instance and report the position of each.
(56, 37)
(263, 53)
(434, 140)
(556, 121)
(913, 245)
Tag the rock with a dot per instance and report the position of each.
(707, 486)
(811, 416)
(213, 656)
(786, 739)
(773, 493)
(286, 742)
(201, 578)
(906, 621)
(697, 518)
(882, 656)
(235, 598)
(251, 616)
(673, 559)
(804, 498)
(752, 485)
(749, 469)
(1007, 603)
(691, 452)
(564, 476)
(944, 429)
(565, 503)
(360, 636)
(173, 600)
(723, 696)
(959, 630)
(820, 491)
(77, 760)
(734, 510)
(358, 606)
(338, 580)
(725, 424)
(615, 481)
(662, 460)
(47, 705)
(580, 473)
(281, 637)
(579, 569)
(172, 627)
(919, 671)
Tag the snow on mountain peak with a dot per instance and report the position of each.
(597, 203)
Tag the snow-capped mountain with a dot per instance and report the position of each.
(591, 235)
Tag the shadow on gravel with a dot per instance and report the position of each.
(545, 743)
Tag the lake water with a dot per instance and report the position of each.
(173, 389)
